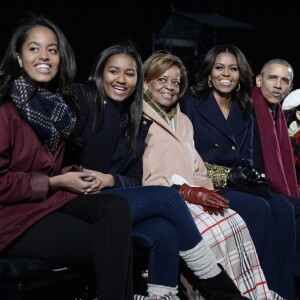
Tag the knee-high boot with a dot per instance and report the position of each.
(213, 281)
(219, 287)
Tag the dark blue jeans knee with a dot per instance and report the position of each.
(160, 237)
(165, 202)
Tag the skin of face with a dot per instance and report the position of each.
(275, 83)
(119, 77)
(224, 75)
(165, 89)
(39, 56)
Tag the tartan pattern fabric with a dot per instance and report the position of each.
(165, 297)
(159, 110)
(231, 244)
(47, 113)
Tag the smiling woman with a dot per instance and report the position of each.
(39, 56)
(45, 209)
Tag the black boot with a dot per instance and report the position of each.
(220, 287)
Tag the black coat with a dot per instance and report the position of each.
(99, 146)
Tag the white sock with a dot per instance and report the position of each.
(159, 291)
(201, 260)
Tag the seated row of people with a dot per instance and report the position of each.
(125, 128)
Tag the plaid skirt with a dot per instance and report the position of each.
(231, 244)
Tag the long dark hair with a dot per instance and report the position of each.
(10, 68)
(133, 105)
(201, 89)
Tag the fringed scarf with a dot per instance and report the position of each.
(276, 147)
(47, 113)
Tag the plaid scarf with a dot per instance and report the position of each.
(169, 117)
(47, 113)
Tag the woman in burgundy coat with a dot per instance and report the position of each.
(46, 211)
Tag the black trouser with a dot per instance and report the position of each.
(93, 229)
(296, 204)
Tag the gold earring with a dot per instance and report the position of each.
(239, 87)
(209, 83)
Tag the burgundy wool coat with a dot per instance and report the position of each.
(25, 168)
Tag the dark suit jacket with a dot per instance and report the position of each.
(219, 141)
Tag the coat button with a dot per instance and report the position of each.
(233, 148)
(216, 146)
(145, 122)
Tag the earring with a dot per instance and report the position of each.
(146, 95)
(209, 83)
(239, 87)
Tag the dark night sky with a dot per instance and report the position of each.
(92, 25)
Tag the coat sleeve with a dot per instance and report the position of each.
(200, 173)
(16, 186)
(132, 176)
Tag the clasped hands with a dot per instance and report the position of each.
(97, 181)
(211, 200)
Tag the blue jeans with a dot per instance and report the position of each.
(271, 224)
(163, 224)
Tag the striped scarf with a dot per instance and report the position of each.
(169, 117)
(47, 113)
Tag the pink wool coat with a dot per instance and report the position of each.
(168, 152)
(25, 165)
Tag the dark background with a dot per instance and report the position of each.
(90, 26)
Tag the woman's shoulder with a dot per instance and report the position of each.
(81, 91)
(189, 100)
(83, 97)
(184, 118)
(8, 108)
(9, 116)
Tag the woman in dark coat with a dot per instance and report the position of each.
(220, 108)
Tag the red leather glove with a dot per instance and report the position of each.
(210, 199)
(213, 210)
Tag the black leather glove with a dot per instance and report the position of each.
(248, 180)
(246, 175)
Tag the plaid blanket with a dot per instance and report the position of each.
(231, 243)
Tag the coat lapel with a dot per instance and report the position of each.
(210, 111)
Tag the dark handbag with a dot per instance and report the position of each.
(246, 179)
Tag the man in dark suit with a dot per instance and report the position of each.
(272, 151)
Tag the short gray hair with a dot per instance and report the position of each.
(279, 61)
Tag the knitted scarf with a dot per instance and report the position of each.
(276, 147)
(47, 113)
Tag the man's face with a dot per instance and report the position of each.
(275, 83)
